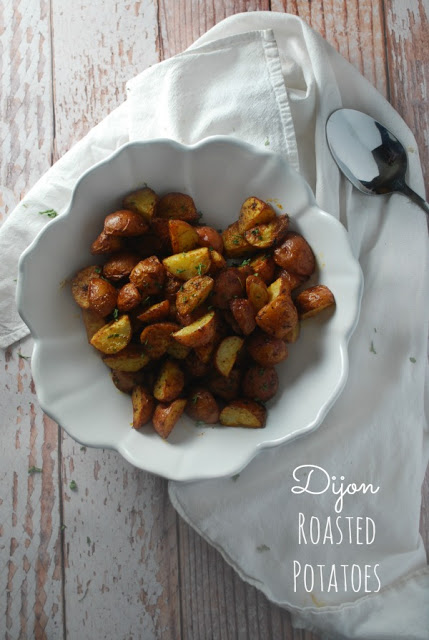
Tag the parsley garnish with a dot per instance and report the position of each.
(413, 360)
(88, 540)
(51, 213)
(34, 469)
(262, 547)
(194, 400)
(372, 350)
(97, 269)
(115, 314)
(113, 335)
(245, 262)
(199, 269)
(73, 485)
(235, 478)
(21, 355)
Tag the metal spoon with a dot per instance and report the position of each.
(369, 155)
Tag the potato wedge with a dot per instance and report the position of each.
(266, 350)
(143, 201)
(202, 406)
(217, 263)
(183, 237)
(125, 223)
(150, 244)
(114, 336)
(260, 383)
(105, 244)
(143, 406)
(279, 286)
(157, 312)
(148, 276)
(227, 353)
(243, 413)
(188, 264)
(161, 229)
(169, 383)
(131, 358)
(80, 285)
(199, 332)
(129, 297)
(234, 243)
(227, 285)
(102, 296)
(195, 367)
(293, 335)
(264, 236)
(179, 206)
(178, 351)
(156, 338)
(92, 321)
(293, 279)
(278, 317)
(193, 293)
(254, 211)
(244, 314)
(225, 388)
(257, 292)
(166, 416)
(125, 381)
(295, 255)
(313, 300)
(209, 237)
(264, 267)
(120, 265)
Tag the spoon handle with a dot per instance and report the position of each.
(412, 195)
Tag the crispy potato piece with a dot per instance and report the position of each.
(195, 367)
(171, 287)
(227, 285)
(120, 265)
(243, 413)
(266, 350)
(193, 293)
(125, 381)
(179, 206)
(183, 237)
(80, 285)
(234, 243)
(264, 267)
(186, 319)
(209, 237)
(143, 406)
(254, 211)
(166, 416)
(129, 297)
(217, 263)
(131, 358)
(148, 275)
(313, 300)
(293, 335)
(114, 336)
(244, 314)
(227, 353)
(278, 317)
(125, 223)
(202, 406)
(295, 255)
(199, 332)
(156, 312)
(92, 321)
(143, 202)
(169, 383)
(102, 296)
(257, 292)
(178, 351)
(279, 286)
(260, 383)
(231, 321)
(188, 264)
(156, 338)
(264, 236)
(161, 229)
(226, 388)
(104, 244)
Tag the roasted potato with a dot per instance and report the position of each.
(198, 333)
(143, 202)
(202, 406)
(293, 279)
(279, 286)
(193, 293)
(156, 338)
(257, 292)
(80, 285)
(125, 223)
(161, 229)
(260, 383)
(278, 317)
(293, 335)
(183, 237)
(150, 244)
(92, 321)
(131, 358)
(227, 285)
(171, 287)
(244, 314)
(148, 276)
(295, 255)
(179, 206)
(166, 416)
(120, 265)
(234, 243)
(129, 297)
(266, 350)
(253, 212)
(264, 236)
(155, 313)
(195, 367)
(143, 406)
(227, 353)
(264, 267)
(169, 383)
(243, 413)
(188, 264)
(114, 336)
(217, 263)
(225, 388)
(102, 296)
(178, 351)
(125, 381)
(105, 244)
(209, 237)
(313, 300)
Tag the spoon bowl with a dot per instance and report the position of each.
(369, 155)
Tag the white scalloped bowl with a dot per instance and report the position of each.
(73, 385)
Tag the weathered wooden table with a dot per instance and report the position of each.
(112, 559)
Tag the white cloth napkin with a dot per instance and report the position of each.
(267, 76)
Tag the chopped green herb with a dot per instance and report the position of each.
(179, 270)
(413, 360)
(262, 547)
(245, 262)
(21, 355)
(83, 448)
(73, 485)
(51, 213)
(372, 350)
(265, 386)
(235, 478)
(63, 526)
(34, 470)
(261, 371)
(267, 143)
(236, 239)
(194, 399)
(115, 314)
(199, 269)
(210, 307)
(113, 335)
(88, 540)
(147, 299)
(97, 269)
(199, 423)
